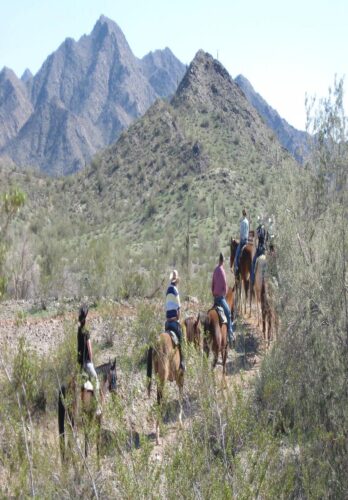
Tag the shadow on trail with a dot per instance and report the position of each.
(172, 409)
(246, 348)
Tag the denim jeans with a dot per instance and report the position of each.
(221, 301)
(175, 327)
(236, 258)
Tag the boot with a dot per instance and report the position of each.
(182, 361)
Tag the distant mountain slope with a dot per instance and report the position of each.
(208, 147)
(295, 141)
(83, 96)
(163, 70)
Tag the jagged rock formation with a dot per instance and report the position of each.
(15, 105)
(163, 70)
(83, 96)
(295, 141)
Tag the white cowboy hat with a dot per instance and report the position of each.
(174, 275)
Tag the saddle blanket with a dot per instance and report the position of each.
(173, 337)
(88, 386)
(221, 314)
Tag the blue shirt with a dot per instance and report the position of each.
(172, 301)
(244, 229)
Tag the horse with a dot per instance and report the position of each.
(193, 330)
(215, 339)
(260, 276)
(230, 299)
(244, 270)
(164, 357)
(269, 316)
(83, 406)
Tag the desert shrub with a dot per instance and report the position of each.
(302, 386)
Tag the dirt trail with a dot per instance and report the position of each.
(43, 330)
(243, 364)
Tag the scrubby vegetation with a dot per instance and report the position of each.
(282, 434)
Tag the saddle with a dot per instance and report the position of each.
(221, 314)
(173, 336)
(88, 386)
(85, 382)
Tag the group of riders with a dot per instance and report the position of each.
(172, 302)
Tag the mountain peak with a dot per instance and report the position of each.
(8, 74)
(104, 23)
(205, 80)
(27, 75)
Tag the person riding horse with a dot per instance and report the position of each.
(261, 246)
(219, 290)
(85, 353)
(244, 234)
(173, 312)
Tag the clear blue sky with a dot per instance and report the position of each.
(284, 48)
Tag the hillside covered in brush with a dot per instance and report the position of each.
(207, 151)
(184, 169)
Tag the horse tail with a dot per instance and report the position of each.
(61, 418)
(149, 369)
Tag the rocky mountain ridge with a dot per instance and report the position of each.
(295, 141)
(83, 96)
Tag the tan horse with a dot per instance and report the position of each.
(260, 276)
(245, 262)
(164, 357)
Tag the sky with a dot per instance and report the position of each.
(286, 49)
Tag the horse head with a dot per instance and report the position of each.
(233, 246)
(112, 377)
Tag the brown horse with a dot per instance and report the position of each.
(244, 270)
(270, 321)
(215, 335)
(80, 405)
(193, 330)
(230, 299)
(215, 339)
(260, 276)
(164, 357)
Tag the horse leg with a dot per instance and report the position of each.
(98, 418)
(159, 401)
(224, 359)
(246, 290)
(86, 443)
(181, 384)
(250, 296)
(61, 422)
(215, 358)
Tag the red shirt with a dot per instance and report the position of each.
(219, 283)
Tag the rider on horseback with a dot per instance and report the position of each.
(219, 290)
(85, 353)
(261, 246)
(173, 312)
(244, 234)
